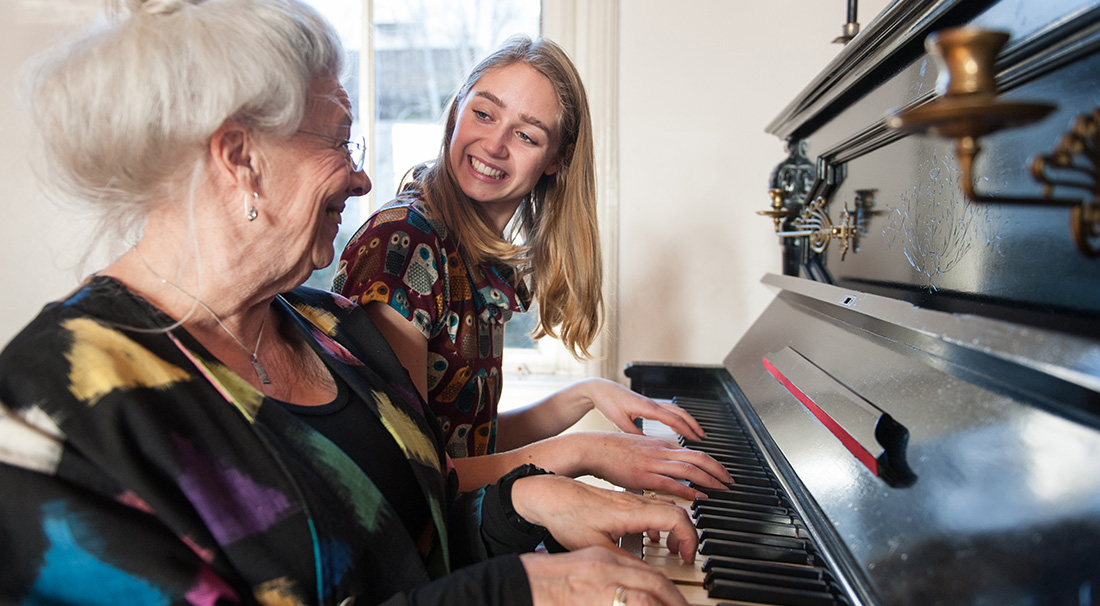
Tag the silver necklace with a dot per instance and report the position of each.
(253, 354)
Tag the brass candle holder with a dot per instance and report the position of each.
(778, 211)
(967, 108)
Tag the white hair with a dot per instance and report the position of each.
(126, 112)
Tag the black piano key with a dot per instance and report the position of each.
(709, 420)
(741, 524)
(715, 437)
(720, 429)
(745, 488)
(756, 473)
(717, 507)
(781, 520)
(753, 551)
(738, 445)
(742, 461)
(742, 496)
(779, 596)
(764, 578)
(700, 404)
(712, 417)
(717, 422)
(721, 419)
(731, 450)
(716, 429)
(738, 470)
(775, 516)
(728, 459)
(740, 536)
(718, 432)
(744, 479)
(717, 562)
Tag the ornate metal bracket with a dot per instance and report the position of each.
(795, 175)
(813, 223)
(967, 109)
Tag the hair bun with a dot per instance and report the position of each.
(157, 7)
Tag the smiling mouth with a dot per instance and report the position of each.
(334, 215)
(483, 169)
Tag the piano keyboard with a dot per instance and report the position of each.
(753, 548)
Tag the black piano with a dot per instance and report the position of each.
(915, 418)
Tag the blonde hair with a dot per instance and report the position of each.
(125, 112)
(560, 252)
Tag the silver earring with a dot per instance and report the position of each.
(250, 211)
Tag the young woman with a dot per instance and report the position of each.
(440, 271)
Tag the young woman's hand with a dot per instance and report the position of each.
(640, 462)
(559, 411)
(621, 406)
(596, 576)
(579, 515)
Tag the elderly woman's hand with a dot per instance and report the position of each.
(598, 577)
(580, 515)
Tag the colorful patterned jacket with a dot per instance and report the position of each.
(135, 468)
(406, 258)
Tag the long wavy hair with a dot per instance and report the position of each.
(553, 243)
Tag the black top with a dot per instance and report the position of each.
(348, 423)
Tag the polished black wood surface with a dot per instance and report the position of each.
(924, 403)
(921, 240)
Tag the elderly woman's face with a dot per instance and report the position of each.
(311, 176)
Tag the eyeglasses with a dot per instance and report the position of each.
(356, 148)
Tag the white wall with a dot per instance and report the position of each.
(699, 81)
(39, 246)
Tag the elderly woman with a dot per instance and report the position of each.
(190, 426)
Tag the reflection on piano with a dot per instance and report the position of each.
(915, 418)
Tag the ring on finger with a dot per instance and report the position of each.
(620, 596)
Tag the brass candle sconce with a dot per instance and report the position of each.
(778, 211)
(812, 223)
(967, 109)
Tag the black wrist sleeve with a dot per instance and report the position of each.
(502, 529)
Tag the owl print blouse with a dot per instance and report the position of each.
(138, 469)
(402, 256)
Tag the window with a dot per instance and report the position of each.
(587, 30)
(422, 50)
(347, 17)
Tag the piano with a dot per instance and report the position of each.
(915, 418)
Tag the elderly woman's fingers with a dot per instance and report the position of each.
(599, 577)
(579, 515)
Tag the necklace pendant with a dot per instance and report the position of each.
(260, 372)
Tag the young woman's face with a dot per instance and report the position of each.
(313, 179)
(506, 137)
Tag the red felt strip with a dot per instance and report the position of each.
(845, 438)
